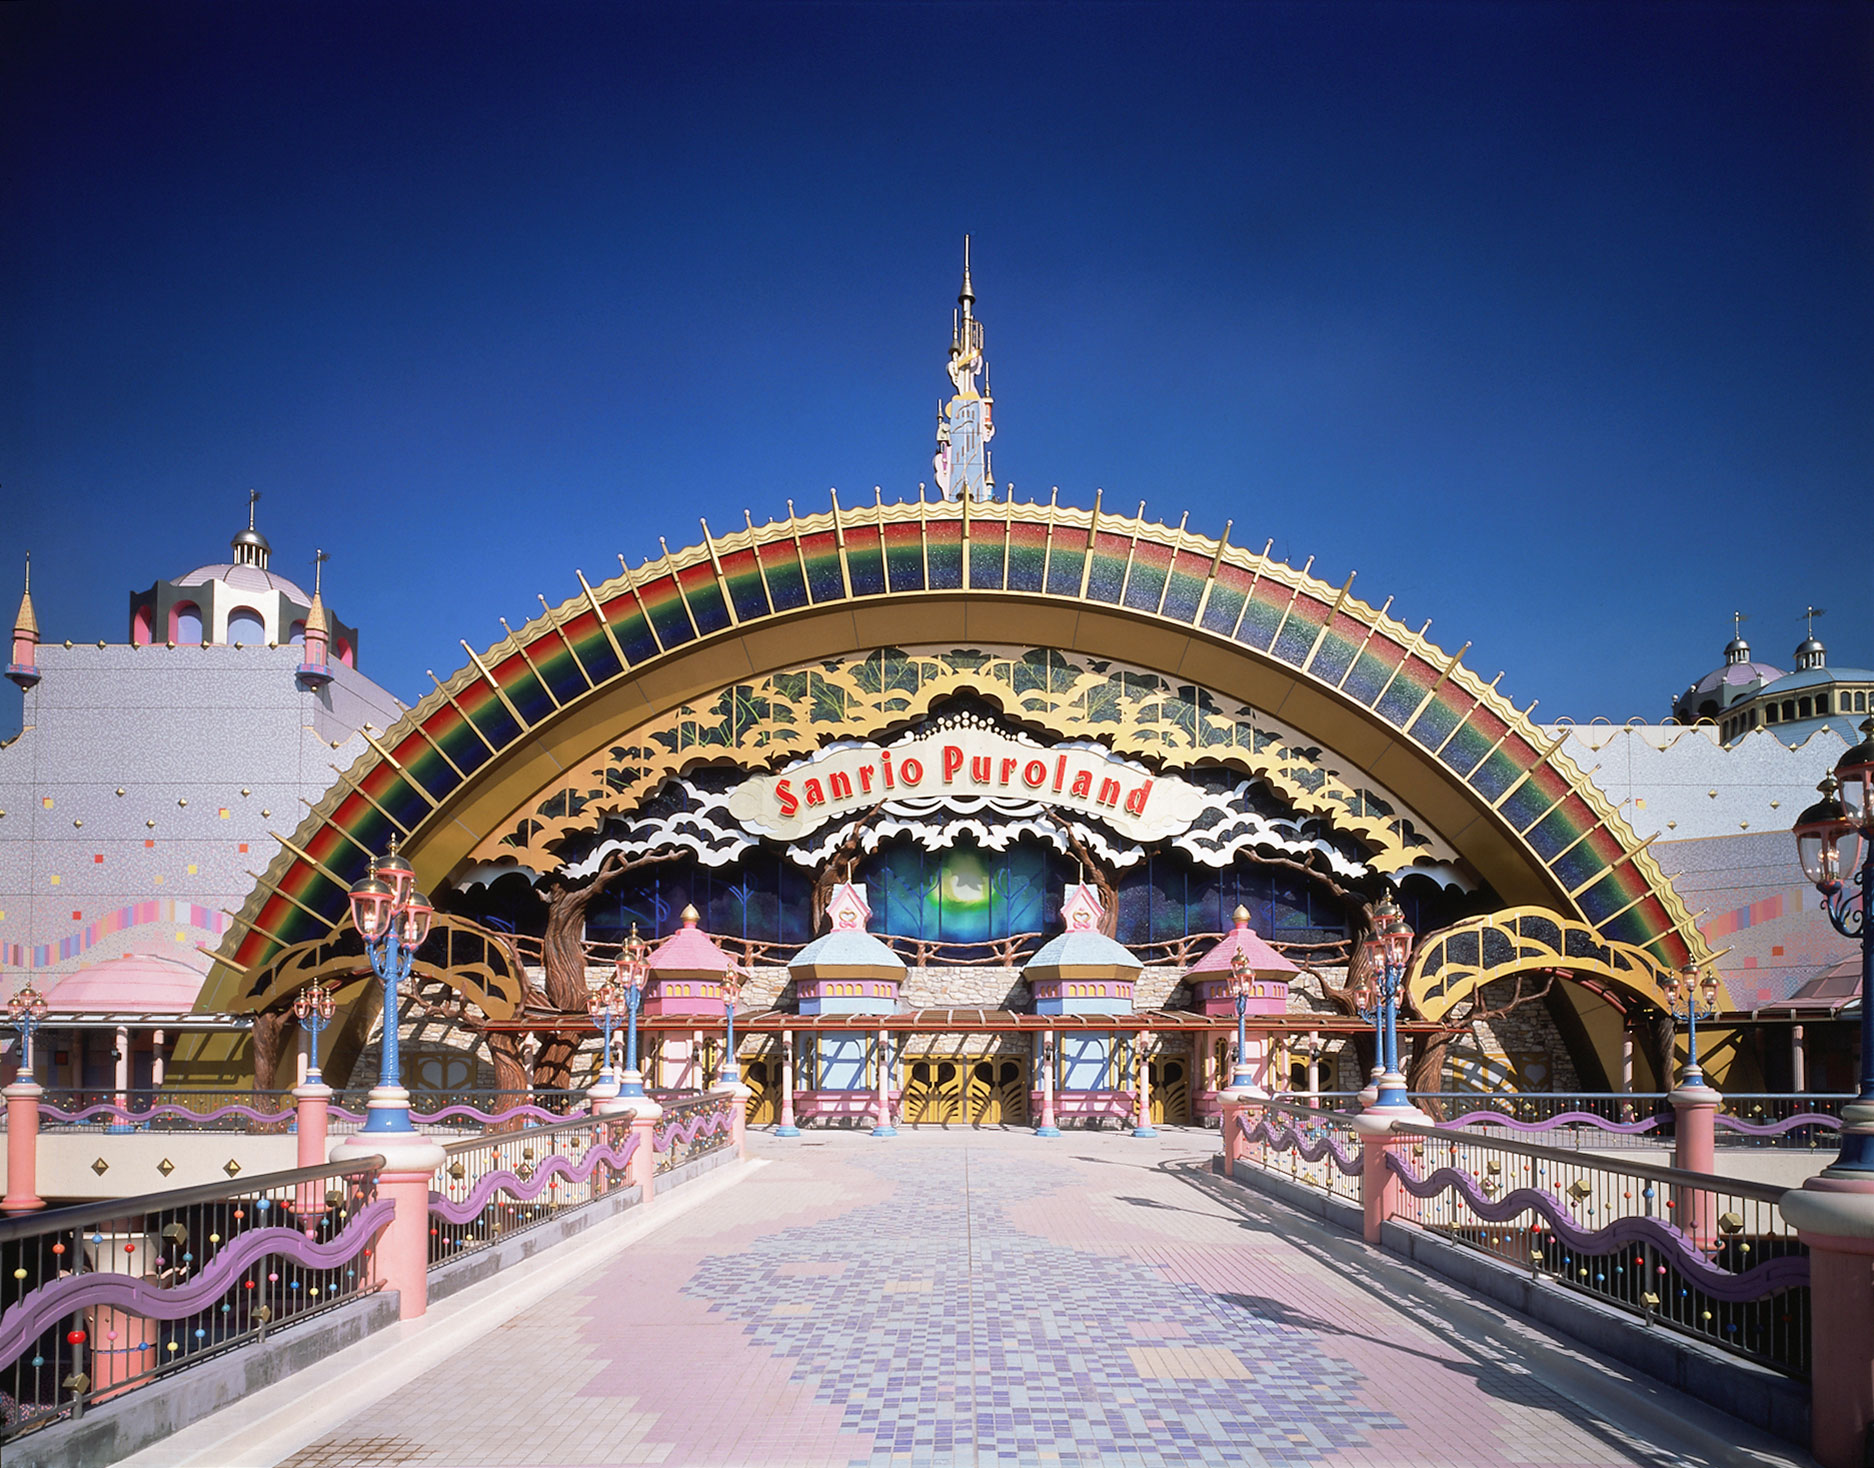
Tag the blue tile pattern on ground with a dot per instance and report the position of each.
(1018, 1351)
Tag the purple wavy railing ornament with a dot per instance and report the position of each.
(1552, 1123)
(1787, 1273)
(1777, 1128)
(683, 1132)
(1327, 1144)
(488, 1118)
(124, 1113)
(526, 1190)
(28, 1317)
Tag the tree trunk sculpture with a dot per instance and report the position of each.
(563, 957)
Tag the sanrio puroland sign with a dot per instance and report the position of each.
(1079, 779)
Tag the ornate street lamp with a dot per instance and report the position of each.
(1392, 937)
(633, 969)
(605, 1004)
(730, 1075)
(393, 918)
(1691, 992)
(313, 1008)
(1241, 979)
(1832, 843)
(26, 1011)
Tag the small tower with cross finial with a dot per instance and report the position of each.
(1810, 654)
(250, 546)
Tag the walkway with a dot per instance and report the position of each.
(992, 1298)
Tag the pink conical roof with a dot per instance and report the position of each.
(1264, 961)
(689, 953)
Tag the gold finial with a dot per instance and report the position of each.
(690, 915)
(1241, 916)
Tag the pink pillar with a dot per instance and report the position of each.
(738, 1118)
(121, 1344)
(312, 1105)
(1234, 1147)
(403, 1247)
(1379, 1185)
(22, 1147)
(1694, 1149)
(787, 1127)
(1835, 1218)
(643, 1168)
(1049, 1127)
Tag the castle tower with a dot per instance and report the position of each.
(964, 427)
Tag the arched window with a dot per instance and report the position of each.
(298, 634)
(344, 653)
(185, 623)
(246, 626)
(140, 626)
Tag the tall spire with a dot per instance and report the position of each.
(314, 669)
(250, 546)
(964, 426)
(23, 669)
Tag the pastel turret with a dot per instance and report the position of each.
(686, 972)
(1269, 973)
(1082, 971)
(847, 970)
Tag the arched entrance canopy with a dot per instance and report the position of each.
(1453, 964)
(1387, 700)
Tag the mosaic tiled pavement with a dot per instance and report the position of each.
(993, 1298)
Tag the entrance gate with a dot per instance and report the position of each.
(972, 1090)
(1171, 1093)
(763, 1079)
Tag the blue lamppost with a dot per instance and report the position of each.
(1392, 944)
(1689, 994)
(604, 1004)
(1832, 844)
(393, 918)
(313, 1008)
(26, 1011)
(730, 1076)
(633, 969)
(1241, 980)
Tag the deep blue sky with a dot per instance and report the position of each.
(1556, 322)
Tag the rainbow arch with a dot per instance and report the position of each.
(1315, 656)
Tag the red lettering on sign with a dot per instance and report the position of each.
(1135, 802)
(788, 803)
(884, 761)
(865, 779)
(813, 791)
(1083, 785)
(1109, 793)
(953, 761)
(1008, 768)
(979, 768)
(842, 785)
(911, 771)
(1060, 773)
(1035, 774)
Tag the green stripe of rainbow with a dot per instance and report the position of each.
(1343, 644)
